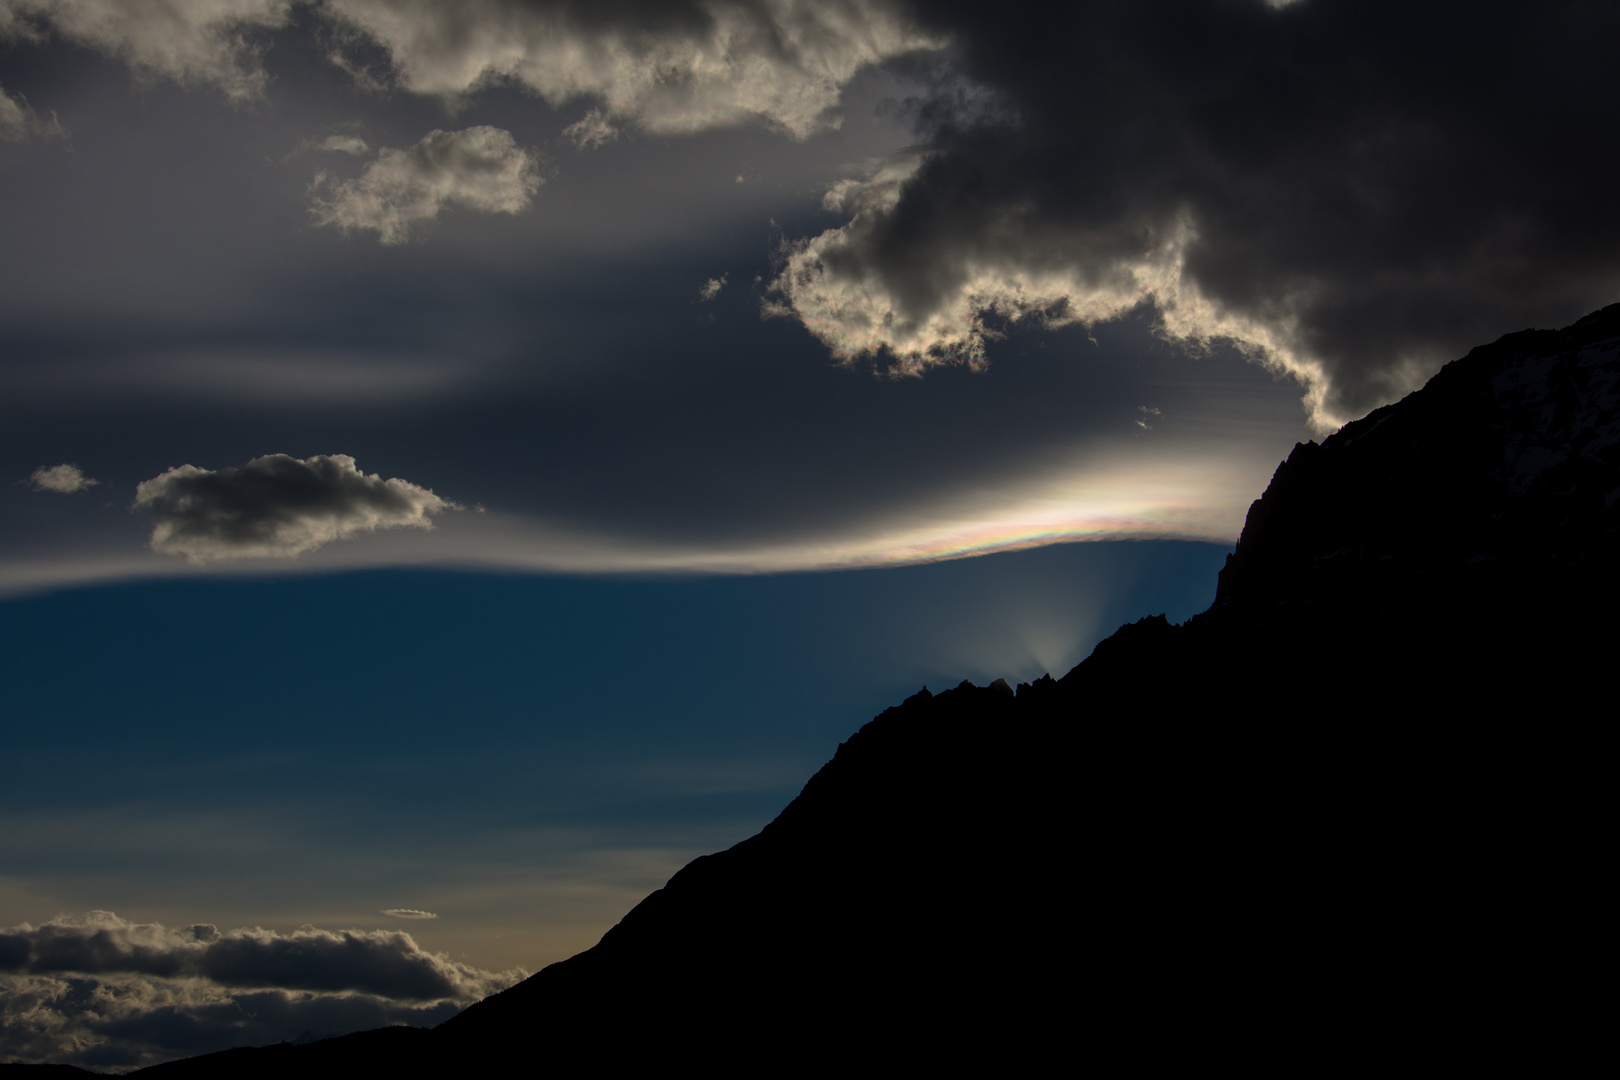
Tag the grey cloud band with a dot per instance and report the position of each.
(387, 963)
(101, 991)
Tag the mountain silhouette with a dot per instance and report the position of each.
(1351, 815)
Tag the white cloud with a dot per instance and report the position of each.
(277, 506)
(63, 479)
(19, 122)
(591, 130)
(344, 144)
(480, 168)
(680, 66)
(102, 991)
(193, 42)
(408, 913)
(711, 288)
(684, 67)
(945, 309)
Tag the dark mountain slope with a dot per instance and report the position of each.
(1352, 814)
(1490, 490)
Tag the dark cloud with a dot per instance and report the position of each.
(100, 990)
(130, 1021)
(387, 963)
(276, 506)
(1356, 191)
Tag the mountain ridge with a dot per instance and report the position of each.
(1348, 812)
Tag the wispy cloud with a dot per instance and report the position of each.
(711, 288)
(591, 130)
(480, 168)
(407, 913)
(18, 121)
(276, 506)
(352, 145)
(193, 42)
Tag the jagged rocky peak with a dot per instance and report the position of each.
(1502, 470)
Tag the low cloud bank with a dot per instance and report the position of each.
(481, 168)
(277, 507)
(98, 990)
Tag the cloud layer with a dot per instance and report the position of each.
(1354, 192)
(481, 168)
(276, 506)
(99, 990)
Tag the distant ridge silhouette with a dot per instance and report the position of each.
(1353, 814)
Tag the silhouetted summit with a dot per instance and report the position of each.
(1499, 476)
(1350, 815)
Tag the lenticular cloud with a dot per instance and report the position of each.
(277, 507)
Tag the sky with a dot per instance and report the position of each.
(463, 461)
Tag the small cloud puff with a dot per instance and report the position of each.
(480, 168)
(711, 288)
(407, 913)
(64, 479)
(277, 506)
(344, 144)
(103, 991)
(591, 130)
